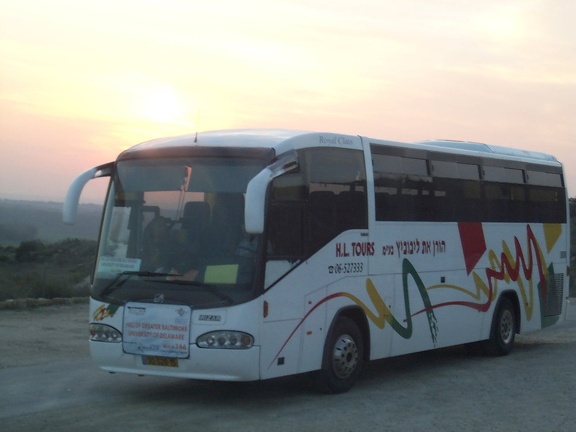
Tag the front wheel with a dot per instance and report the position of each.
(503, 329)
(343, 358)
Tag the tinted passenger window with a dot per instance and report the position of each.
(466, 190)
(326, 196)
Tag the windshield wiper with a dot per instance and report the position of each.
(189, 282)
(119, 280)
(204, 287)
(171, 278)
(149, 274)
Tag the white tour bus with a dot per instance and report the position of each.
(247, 255)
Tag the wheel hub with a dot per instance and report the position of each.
(507, 327)
(345, 356)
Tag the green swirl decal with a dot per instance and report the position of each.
(383, 314)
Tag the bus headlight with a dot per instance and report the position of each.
(104, 333)
(225, 339)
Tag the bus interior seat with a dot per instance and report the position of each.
(190, 235)
(285, 230)
(352, 210)
(323, 218)
(196, 216)
(227, 225)
(382, 206)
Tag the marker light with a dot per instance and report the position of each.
(225, 339)
(104, 333)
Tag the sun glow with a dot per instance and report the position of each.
(501, 24)
(163, 105)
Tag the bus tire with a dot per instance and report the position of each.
(343, 358)
(503, 329)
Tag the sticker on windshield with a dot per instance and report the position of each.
(109, 266)
(221, 274)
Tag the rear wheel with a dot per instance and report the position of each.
(343, 358)
(503, 329)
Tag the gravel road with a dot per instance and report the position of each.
(49, 383)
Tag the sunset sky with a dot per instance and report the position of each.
(80, 81)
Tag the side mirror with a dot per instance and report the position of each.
(256, 191)
(75, 190)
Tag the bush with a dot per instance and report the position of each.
(30, 251)
(38, 270)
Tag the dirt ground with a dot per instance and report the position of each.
(43, 335)
(47, 383)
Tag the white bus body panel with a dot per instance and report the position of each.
(203, 363)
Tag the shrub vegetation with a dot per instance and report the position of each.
(38, 270)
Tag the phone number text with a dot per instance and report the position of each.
(345, 268)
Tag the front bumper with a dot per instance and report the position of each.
(203, 363)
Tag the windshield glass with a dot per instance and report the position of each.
(173, 232)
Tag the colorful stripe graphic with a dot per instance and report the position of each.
(507, 267)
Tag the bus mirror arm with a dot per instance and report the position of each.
(72, 200)
(256, 191)
(254, 209)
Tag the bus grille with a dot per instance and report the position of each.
(554, 294)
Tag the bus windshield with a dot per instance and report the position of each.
(173, 232)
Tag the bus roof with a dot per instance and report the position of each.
(488, 148)
(278, 140)
(233, 137)
(282, 140)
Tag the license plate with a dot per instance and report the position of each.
(160, 361)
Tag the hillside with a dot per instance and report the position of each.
(36, 220)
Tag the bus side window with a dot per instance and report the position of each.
(285, 236)
(285, 231)
(352, 210)
(323, 219)
(310, 207)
